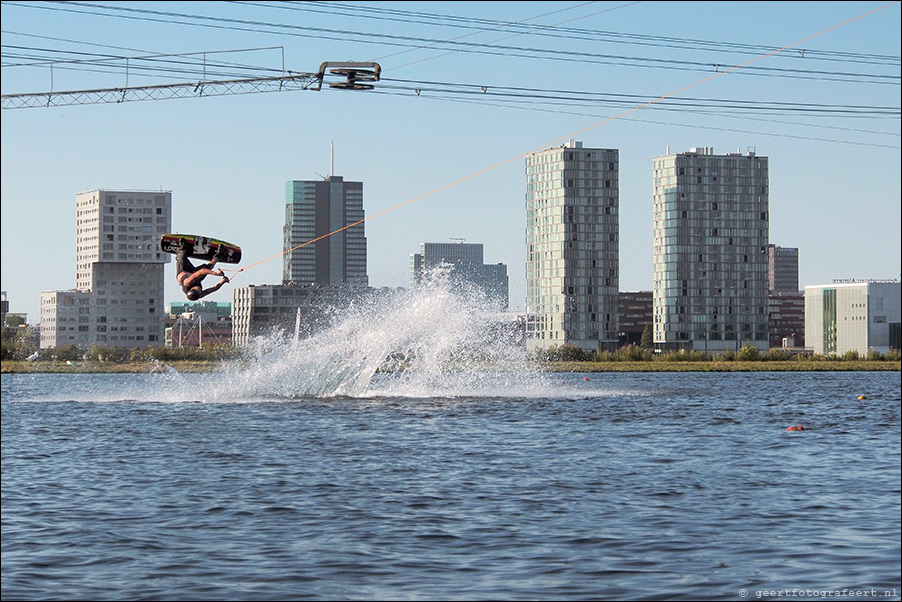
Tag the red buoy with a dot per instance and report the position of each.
(585, 378)
(796, 428)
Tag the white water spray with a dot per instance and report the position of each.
(437, 340)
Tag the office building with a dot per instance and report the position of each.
(710, 250)
(786, 320)
(782, 270)
(635, 313)
(313, 210)
(290, 310)
(119, 273)
(464, 262)
(572, 247)
(852, 316)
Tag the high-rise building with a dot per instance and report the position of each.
(710, 250)
(313, 210)
(782, 270)
(465, 264)
(572, 246)
(119, 273)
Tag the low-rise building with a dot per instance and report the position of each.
(636, 313)
(293, 309)
(786, 319)
(853, 316)
(198, 323)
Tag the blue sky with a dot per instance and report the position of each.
(825, 112)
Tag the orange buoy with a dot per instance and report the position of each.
(862, 397)
(796, 428)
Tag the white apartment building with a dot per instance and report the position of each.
(119, 273)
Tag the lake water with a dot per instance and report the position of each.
(239, 486)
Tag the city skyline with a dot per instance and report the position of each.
(459, 154)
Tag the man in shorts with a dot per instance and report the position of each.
(190, 276)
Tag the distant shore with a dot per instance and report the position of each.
(51, 367)
(730, 366)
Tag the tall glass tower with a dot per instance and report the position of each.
(313, 210)
(710, 250)
(572, 246)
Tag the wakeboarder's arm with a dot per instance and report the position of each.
(214, 288)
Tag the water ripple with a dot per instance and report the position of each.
(634, 487)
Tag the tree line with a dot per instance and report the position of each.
(21, 345)
(748, 353)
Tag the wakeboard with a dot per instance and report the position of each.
(201, 247)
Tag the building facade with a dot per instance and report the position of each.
(786, 320)
(572, 246)
(68, 318)
(289, 310)
(466, 266)
(710, 250)
(852, 316)
(635, 313)
(314, 210)
(119, 273)
(192, 324)
(783, 270)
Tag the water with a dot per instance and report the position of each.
(317, 469)
(539, 486)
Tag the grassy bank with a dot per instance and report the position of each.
(731, 366)
(51, 367)
(196, 366)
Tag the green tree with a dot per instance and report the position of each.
(20, 344)
(748, 353)
(14, 321)
(648, 338)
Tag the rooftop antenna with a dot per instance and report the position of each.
(332, 159)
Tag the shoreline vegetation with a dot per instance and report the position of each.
(209, 366)
(565, 358)
(194, 366)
